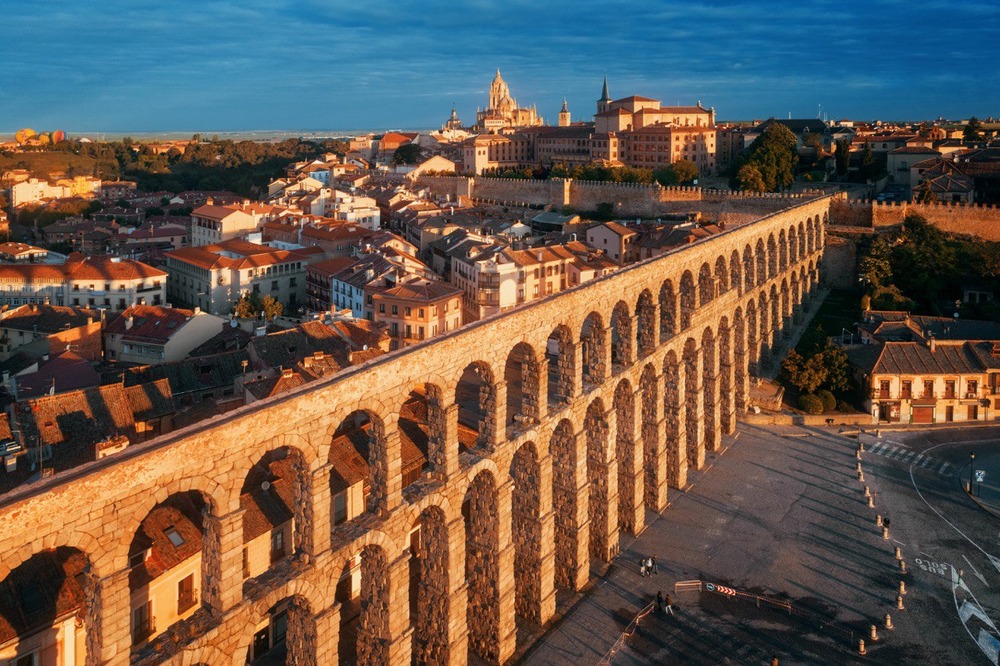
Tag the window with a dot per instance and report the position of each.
(277, 545)
(185, 594)
(340, 508)
(174, 537)
(381, 308)
(26, 660)
(274, 285)
(395, 309)
(135, 559)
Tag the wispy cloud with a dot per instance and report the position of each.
(221, 64)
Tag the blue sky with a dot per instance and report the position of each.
(138, 65)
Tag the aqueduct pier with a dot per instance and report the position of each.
(588, 406)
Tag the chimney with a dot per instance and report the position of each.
(209, 201)
(129, 320)
(932, 344)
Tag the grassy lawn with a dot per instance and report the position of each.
(840, 310)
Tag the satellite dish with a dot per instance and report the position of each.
(265, 485)
(233, 323)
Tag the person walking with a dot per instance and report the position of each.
(670, 605)
(653, 564)
(642, 568)
(659, 601)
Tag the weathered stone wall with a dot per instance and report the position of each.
(979, 220)
(98, 507)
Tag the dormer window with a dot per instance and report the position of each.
(174, 537)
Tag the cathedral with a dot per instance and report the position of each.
(503, 110)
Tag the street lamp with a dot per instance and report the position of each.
(972, 465)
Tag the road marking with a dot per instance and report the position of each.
(994, 561)
(875, 448)
(908, 457)
(917, 460)
(976, 571)
(944, 467)
(988, 643)
(927, 461)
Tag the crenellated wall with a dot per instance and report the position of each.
(979, 220)
(628, 199)
(653, 366)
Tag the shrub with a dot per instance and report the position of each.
(810, 404)
(829, 401)
(845, 407)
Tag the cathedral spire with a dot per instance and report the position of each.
(605, 96)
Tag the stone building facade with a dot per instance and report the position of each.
(584, 407)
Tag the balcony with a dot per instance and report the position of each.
(142, 631)
(883, 395)
(971, 395)
(145, 290)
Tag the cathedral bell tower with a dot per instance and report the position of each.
(564, 115)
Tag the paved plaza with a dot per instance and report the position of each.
(780, 517)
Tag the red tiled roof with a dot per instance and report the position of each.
(150, 323)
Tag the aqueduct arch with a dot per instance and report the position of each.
(653, 406)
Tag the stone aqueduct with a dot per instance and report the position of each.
(622, 384)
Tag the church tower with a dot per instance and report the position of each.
(564, 115)
(605, 101)
(499, 93)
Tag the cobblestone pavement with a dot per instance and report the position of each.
(780, 514)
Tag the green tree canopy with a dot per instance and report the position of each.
(869, 165)
(407, 154)
(842, 156)
(251, 306)
(774, 156)
(973, 130)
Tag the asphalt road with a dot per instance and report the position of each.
(780, 518)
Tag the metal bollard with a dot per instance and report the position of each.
(871, 502)
(902, 566)
(885, 533)
(902, 587)
(868, 492)
(899, 553)
(774, 661)
(899, 603)
(874, 634)
(859, 466)
(861, 445)
(861, 646)
(857, 454)
(878, 520)
(861, 476)
(888, 621)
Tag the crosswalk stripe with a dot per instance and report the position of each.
(943, 468)
(916, 461)
(927, 461)
(877, 448)
(910, 456)
(897, 453)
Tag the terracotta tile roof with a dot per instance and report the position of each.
(286, 380)
(110, 268)
(333, 266)
(192, 375)
(213, 212)
(65, 372)
(47, 318)
(288, 347)
(420, 291)
(45, 588)
(150, 323)
(916, 358)
(267, 502)
(634, 98)
(179, 515)
(150, 401)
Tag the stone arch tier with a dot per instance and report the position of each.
(573, 438)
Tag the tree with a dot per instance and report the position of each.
(875, 265)
(750, 178)
(774, 156)
(251, 306)
(834, 360)
(842, 156)
(973, 130)
(406, 154)
(925, 194)
(869, 167)
(805, 374)
(686, 171)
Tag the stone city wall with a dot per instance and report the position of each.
(979, 220)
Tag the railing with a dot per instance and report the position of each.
(143, 630)
(187, 600)
(971, 395)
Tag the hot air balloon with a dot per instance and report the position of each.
(44, 138)
(23, 135)
(58, 136)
